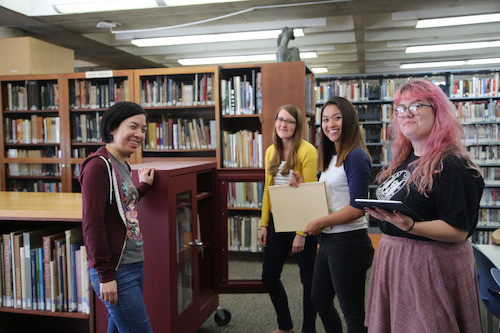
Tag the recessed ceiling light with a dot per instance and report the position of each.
(451, 47)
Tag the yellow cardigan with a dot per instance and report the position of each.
(307, 167)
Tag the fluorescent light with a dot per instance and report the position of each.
(451, 47)
(88, 6)
(451, 63)
(319, 70)
(433, 64)
(212, 38)
(484, 61)
(238, 59)
(458, 20)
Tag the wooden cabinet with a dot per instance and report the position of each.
(177, 219)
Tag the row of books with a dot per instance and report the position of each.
(36, 129)
(97, 94)
(242, 233)
(82, 152)
(162, 90)
(242, 149)
(181, 133)
(85, 127)
(491, 174)
(481, 133)
(241, 95)
(355, 90)
(485, 154)
(475, 86)
(491, 197)
(245, 194)
(32, 95)
(34, 170)
(30, 185)
(478, 111)
(482, 237)
(48, 152)
(46, 270)
(489, 218)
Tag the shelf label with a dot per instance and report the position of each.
(96, 74)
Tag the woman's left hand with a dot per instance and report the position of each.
(146, 175)
(298, 243)
(314, 228)
(400, 220)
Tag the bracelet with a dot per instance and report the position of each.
(410, 227)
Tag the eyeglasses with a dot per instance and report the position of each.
(286, 121)
(415, 109)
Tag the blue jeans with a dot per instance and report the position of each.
(278, 246)
(129, 314)
(340, 269)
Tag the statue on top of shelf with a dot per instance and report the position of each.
(284, 53)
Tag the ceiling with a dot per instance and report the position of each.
(349, 36)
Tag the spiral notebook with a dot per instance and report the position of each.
(293, 208)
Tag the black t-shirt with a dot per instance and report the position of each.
(454, 198)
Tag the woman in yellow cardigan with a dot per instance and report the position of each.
(289, 153)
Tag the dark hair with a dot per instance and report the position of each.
(350, 135)
(114, 117)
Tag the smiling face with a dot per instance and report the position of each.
(285, 125)
(331, 123)
(416, 128)
(129, 135)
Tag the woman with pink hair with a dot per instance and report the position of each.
(424, 274)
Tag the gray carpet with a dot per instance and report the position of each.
(254, 313)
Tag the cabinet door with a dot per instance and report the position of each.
(186, 260)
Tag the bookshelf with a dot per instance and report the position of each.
(87, 96)
(245, 135)
(183, 112)
(46, 210)
(477, 98)
(32, 153)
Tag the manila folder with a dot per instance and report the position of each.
(293, 208)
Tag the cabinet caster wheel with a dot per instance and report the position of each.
(222, 316)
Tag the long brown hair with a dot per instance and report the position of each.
(350, 135)
(278, 143)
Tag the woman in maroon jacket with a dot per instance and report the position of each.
(110, 226)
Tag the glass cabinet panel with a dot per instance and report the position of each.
(185, 283)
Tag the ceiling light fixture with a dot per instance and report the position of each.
(451, 47)
(319, 70)
(238, 59)
(451, 63)
(88, 6)
(212, 38)
(458, 20)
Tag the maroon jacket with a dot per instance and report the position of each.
(103, 221)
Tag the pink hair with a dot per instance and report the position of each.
(443, 140)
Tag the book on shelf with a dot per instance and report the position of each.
(238, 94)
(74, 239)
(16, 238)
(7, 270)
(48, 256)
(85, 280)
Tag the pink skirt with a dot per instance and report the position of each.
(419, 286)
